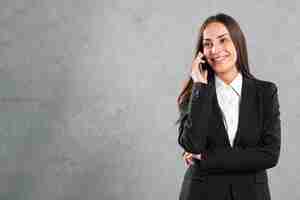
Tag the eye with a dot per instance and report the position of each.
(222, 40)
(206, 44)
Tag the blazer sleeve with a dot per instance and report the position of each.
(193, 127)
(263, 156)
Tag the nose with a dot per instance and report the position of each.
(215, 48)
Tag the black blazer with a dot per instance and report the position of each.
(256, 147)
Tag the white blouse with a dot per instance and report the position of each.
(229, 97)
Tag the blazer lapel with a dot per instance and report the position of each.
(246, 108)
(217, 112)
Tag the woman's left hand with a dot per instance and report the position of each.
(188, 158)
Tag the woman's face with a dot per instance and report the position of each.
(218, 48)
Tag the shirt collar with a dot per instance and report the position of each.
(236, 84)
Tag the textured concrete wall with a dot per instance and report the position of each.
(88, 90)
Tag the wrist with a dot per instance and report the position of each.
(203, 82)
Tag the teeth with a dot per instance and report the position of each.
(220, 58)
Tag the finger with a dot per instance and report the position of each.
(189, 155)
(186, 163)
(199, 58)
(205, 74)
(197, 156)
(190, 161)
(187, 159)
(200, 54)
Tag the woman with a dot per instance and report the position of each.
(229, 124)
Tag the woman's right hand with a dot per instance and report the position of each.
(197, 73)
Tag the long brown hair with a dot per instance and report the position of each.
(239, 42)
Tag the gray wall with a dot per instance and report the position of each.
(88, 90)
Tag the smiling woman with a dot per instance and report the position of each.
(219, 50)
(229, 124)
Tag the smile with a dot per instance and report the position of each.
(219, 59)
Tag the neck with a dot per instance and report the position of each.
(228, 77)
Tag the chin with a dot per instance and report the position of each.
(221, 69)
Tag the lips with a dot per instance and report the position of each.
(219, 59)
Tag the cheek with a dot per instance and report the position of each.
(232, 47)
(205, 52)
(233, 51)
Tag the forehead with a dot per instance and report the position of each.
(213, 30)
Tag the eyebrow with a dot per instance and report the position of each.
(217, 37)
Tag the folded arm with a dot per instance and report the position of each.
(194, 124)
(265, 155)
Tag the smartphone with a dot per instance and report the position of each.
(205, 65)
